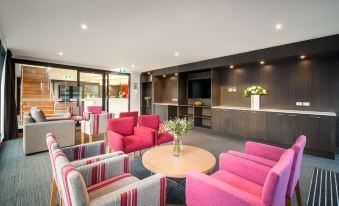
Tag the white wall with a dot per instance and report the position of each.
(135, 92)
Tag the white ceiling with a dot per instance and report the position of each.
(147, 33)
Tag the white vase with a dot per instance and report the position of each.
(255, 102)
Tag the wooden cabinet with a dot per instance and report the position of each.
(162, 111)
(280, 128)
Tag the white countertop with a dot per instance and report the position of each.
(167, 104)
(279, 111)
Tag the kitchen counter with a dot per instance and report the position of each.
(167, 104)
(279, 111)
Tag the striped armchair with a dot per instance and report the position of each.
(96, 124)
(76, 113)
(79, 155)
(106, 182)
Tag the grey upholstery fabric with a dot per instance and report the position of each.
(28, 118)
(38, 115)
(58, 117)
(34, 135)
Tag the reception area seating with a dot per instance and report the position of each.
(123, 136)
(240, 182)
(105, 182)
(130, 114)
(153, 123)
(76, 113)
(95, 124)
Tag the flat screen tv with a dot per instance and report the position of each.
(199, 88)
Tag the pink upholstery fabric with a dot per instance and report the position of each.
(153, 122)
(130, 114)
(275, 187)
(260, 160)
(298, 149)
(150, 121)
(122, 136)
(123, 126)
(239, 182)
(94, 109)
(266, 151)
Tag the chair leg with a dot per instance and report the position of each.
(90, 138)
(288, 202)
(82, 138)
(53, 193)
(109, 150)
(105, 137)
(60, 201)
(297, 191)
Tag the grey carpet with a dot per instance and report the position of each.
(26, 180)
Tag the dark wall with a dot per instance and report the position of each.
(314, 80)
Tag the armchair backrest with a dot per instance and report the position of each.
(123, 126)
(130, 114)
(275, 186)
(75, 111)
(94, 109)
(298, 149)
(71, 184)
(150, 121)
(98, 123)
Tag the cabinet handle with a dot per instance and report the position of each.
(292, 115)
(254, 112)
(315, 117)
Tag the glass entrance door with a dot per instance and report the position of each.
(117, 93)
(91, 89)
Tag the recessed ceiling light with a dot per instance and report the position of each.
(302, 57)
(60, 53)
(278, 26)
(132, 65)
(262, 62)
(84, 26)
(231, 66)
(164, 75)
(148, 73)
(176, 54)
(176, 74)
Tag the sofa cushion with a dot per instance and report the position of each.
(165, 137)
(28, 118)
(238, 182)
(134, 143)
(38, 115)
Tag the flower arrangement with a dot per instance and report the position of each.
(177, 127)
(254, 90)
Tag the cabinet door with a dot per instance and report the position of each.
(257, 125)
(216, 115)
(242, 123)
(162, 111)
(227, 121)
(320, 132)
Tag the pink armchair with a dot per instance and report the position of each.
(269, 156)
(153, 122)
(123, 136)
(130, 114)
(240, 182)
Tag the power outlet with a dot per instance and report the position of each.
(306, 104)
(299, 104)
(230, 89)
(234, 89)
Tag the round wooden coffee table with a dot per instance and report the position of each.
(161, 160)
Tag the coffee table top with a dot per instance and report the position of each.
(161, 160)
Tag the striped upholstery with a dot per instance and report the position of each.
(105, 182)
(76, 113)
(89, 160)
(96, 124)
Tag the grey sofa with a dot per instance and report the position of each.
(34, 133)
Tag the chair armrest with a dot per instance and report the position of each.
(202, 189)
(115, 141)
(147, 134)
(149, 191)
(155, 133)
(264, 150)
(78, 152)
(86, 115)
(102, 170)
(90, 160)
(244, 168)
